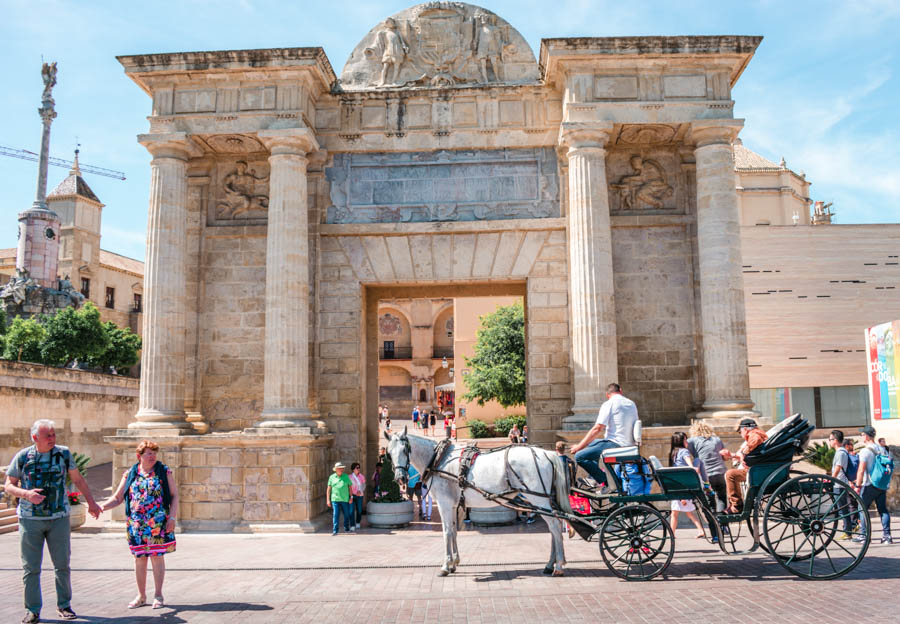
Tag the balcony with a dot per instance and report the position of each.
(439, 353)
(397, 353)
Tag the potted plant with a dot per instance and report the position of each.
(78, 515)
(389, 509)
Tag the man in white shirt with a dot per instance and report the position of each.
(614, 427)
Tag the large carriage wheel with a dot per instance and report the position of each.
(636, 542)
(803, 527)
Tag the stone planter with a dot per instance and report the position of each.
(491, 516)
(78, 515)
(389, 515)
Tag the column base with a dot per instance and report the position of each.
(282, 420)
(196, 421)
(161, 422)
(729, 413)
(582, 418)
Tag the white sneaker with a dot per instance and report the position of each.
(352, 529)
(357, 525)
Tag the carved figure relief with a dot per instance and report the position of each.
(646, 134)
(646, 187)
(390, 325)
(440, 44)
(245, 193)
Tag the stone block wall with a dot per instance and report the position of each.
(232, 322)
(85, 406)
(240, 482)
(655, 316)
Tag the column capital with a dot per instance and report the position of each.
(295, 141)
(715, 131)
(170, 145)
(579, 135)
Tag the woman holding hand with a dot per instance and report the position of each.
(151, 505)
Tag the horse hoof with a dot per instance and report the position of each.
(443, 573)
(453, 570)
(548, 570)
(557, 573)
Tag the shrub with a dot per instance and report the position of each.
(479, 429)
(503, 425)
(820, 454)
(390, 490)
(23, 340)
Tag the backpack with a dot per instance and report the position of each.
(882, 470)
(852, 466)
(160, 470)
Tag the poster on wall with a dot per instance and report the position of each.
(884, 369)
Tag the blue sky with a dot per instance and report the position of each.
(818, 92)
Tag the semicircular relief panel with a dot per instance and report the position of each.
(440, 44)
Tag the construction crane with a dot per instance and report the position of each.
(59, 162)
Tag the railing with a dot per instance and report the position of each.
(397, 353)
(439, 353)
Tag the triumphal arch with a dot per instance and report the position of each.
(596, 180)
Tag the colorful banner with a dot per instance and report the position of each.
(884, 369)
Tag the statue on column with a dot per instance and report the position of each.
(48, 73)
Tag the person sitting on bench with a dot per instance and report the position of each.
(616, 421)
(753, 437)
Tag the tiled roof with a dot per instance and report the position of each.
(748, 160)
(122, 263)
(74, 185)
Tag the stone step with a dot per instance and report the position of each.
(12, 528)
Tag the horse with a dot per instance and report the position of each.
(531, 471)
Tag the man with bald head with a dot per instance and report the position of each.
(37, 477)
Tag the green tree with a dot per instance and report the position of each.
(73, 335)
(23, 340)
(498, 367)
(390, 490)
(2, 331)
(122, 352)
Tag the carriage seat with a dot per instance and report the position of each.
(621, 454)
(678, 480)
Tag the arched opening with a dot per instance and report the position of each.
(423, 395)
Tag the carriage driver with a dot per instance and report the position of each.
(615, 427)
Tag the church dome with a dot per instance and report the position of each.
(440, 44)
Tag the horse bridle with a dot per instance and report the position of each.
(408, 448)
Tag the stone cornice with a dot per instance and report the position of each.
(584, 49)
(140, 67)
(441, 227)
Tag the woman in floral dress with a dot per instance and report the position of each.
(151, 505)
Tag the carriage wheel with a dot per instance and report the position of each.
(636, 542)
(803, 528)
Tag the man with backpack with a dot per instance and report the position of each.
(876, 467)
(843, 468)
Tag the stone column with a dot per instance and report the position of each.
(724, 327)
(162, 357)
(286, 386)
(591, 297)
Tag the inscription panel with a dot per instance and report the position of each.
(443, 186)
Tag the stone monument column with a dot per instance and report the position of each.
(591, 297)
(725, 375)
(286, 385)
(162, 358)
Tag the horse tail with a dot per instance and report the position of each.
(561, 476)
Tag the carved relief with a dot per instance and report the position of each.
(645, 187)
(646, 134)
(245, 194)
(390, 325)
(234, 144)
(440, 44)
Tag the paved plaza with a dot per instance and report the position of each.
(390, 576)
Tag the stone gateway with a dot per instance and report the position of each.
(597, 181)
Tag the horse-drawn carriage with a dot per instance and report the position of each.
(805, 521)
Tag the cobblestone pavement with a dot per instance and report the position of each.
(382, 576)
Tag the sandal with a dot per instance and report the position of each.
(139, 601)
(700, 535)
(158, 602)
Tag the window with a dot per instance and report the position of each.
(845, 406)
(138, 303)
(86, 287)
(423, 396)
(110, 297)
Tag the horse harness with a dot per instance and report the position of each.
(467, 457)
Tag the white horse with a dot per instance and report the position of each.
(531, 470)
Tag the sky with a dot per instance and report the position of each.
(817, 92)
